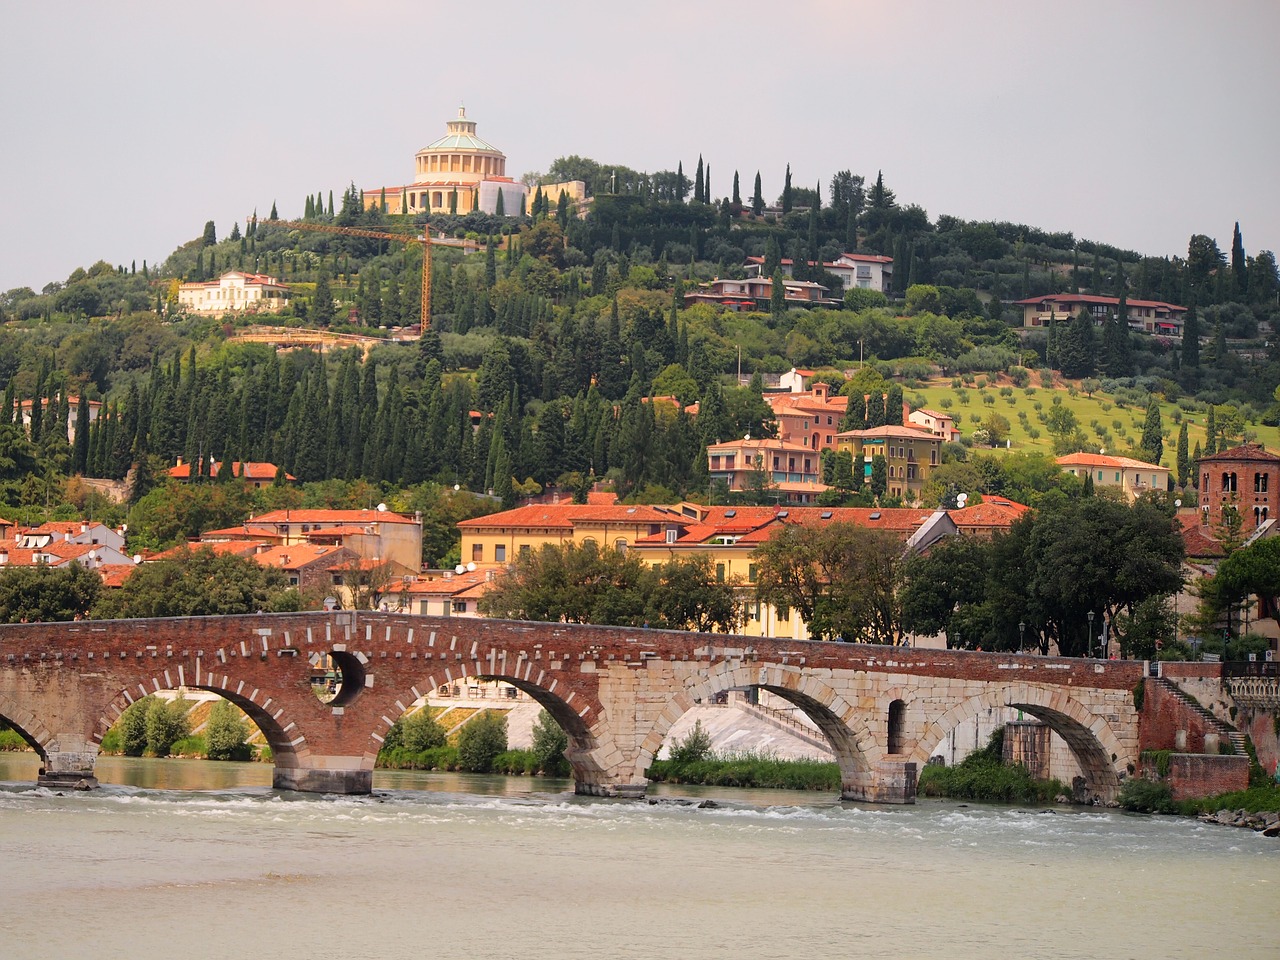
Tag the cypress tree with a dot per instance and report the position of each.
(697, 183)
(1195, 466)
(1238, 264)
(1191, 341)
(1211, 432)
(737, 197)
(274, 215)
(786, 191)
(322, 310)
(310, 210)
(706, 185)
(1152, 432)
(1184, 462)
(757, 199)
(80, 452)
(331, 204)
(777, 297)
(453, 202)
(500, 208)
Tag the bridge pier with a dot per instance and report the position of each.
(344, 775)
(69, 763)
(888, 781)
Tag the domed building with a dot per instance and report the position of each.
(456, 174)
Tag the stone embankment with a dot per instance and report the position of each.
(1266, 823)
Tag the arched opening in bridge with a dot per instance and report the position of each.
(446, 713)
(1080, 759)
(349, 678)
(897, 710)
(15, 741)
(775, 710)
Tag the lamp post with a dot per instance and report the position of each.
(1022, 630)
(1090, 616)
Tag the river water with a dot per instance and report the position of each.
(201, 860)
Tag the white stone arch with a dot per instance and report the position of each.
(841, 724)
(1089, 736)
(29, 726)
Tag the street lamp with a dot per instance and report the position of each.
(1090, 616)
(1022, 629)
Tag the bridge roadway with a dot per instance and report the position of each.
(616, 691)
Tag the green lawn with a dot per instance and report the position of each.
(1122, 423)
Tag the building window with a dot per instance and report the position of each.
(1260, 483)
(620, 545)
(459, 606)
(525, 550)
(933, 458)
(477, 552)
(719, 573)
(500, 553)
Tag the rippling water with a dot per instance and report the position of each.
(450, 866)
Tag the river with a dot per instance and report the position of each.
(201, 860)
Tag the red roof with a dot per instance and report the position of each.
(1246, 451)
(1197, 539)
(298, 555)
(1065, 298)
(249, 470)
(357, 517)
(992, 512)
(240, 548)
(564, 515)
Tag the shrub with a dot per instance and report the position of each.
(549, 745)
(133, 727)
(166, 724)
(1146, 796)
(193, 745)
(422, 732)
(694, 747)
(227, 733)
(481, 740)
(11, 741)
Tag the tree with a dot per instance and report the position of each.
(548, 747)
(1191, 342)
(757, 198)
(879, 475)
(785, 199)
(777, 297)
(688, 595)
(210, 237)
(1078, 349)
(43, 594)
(943, 587)
(576, 584)
(421, 731)
(198, 583)
(1152, 432)
(322, 311)
(1183, 461)
(840, 578)
(133, 727)
(227, 733)
(481, 740)
(167, 723)
(1239, 266)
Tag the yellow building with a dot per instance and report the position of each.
(451, 175)
(910, 451)
(501, 537)
(1133, 477)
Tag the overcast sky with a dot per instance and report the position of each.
(1134, 122)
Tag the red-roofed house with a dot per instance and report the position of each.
(379, 535)
(789, 470)
(234, 292)
(1134, 477)
(854, 270)
(1149, 316)
(500, 537)
(911, 453)
(255, 474)
(448, 595)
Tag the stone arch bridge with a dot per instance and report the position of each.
(616, 691)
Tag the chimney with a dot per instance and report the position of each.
(179, 461)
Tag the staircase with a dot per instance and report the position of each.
(785, 722)
(1224, 730)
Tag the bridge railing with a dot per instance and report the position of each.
(1262, 669)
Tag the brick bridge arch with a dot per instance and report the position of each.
(1089, 736)
(841, 723)
(578, 712)
(274, 719)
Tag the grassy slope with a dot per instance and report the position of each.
(1086, 409)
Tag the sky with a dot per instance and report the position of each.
(1136, 123)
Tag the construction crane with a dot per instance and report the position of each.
(425, 240)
